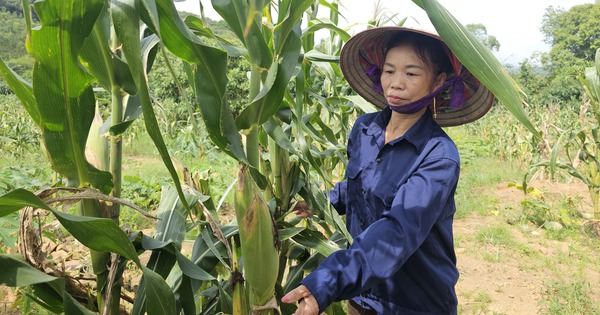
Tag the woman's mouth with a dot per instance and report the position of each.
(396, 100)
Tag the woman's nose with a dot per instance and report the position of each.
(397, 82)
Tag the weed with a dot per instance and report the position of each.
(536, 212)
(495, 235)
(569, 298)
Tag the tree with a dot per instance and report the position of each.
(574, 36)
(12, 35)
(576, 31)
(480, 31)
(12, 6)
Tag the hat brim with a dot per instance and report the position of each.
(371, 42)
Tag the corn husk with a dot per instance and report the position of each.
(259, 255)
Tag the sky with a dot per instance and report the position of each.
(515, 23)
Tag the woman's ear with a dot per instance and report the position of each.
(441, 78)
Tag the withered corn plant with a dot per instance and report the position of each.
(289, 142)
(577, 150)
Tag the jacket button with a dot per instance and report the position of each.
(363, 191)
(378, 160)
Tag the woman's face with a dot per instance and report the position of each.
(406, 78)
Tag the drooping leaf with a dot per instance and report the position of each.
(210, 75)
(18, 273)
(478, 59)
(159, 295)
(126, 19)
(108, 69)
(242, 21)
(22, 90)
(14, 200)
(315, 240)
(62, 89)
(276, 84)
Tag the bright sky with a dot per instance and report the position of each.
(515, 23)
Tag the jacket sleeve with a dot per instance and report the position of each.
(382, 249)
(338, 197)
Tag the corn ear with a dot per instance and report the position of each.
(260, 257)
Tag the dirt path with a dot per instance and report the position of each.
(514, 279)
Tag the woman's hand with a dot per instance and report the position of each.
(302, 210)
(308, 304)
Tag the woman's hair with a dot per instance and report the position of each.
(428, 49)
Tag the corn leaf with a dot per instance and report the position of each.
(126, 20)
(478, 59)
(63, 90)
(159, 295)
(172, 216)
(210, 75)
(23, 91)
(108, 69)
(269, 99)
(18, 273)
(315, 240)
(240, 18)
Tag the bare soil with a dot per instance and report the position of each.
(517, 279)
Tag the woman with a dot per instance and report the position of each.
(401, 176)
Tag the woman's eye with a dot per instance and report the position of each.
(411, 74)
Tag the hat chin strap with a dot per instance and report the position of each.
(457, 99)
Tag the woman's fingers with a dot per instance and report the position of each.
(296, 294)
(302, 210)
(308, 304)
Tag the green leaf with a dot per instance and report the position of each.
(106, 67)
(326, 24)
(8, 231)
(65, 99)
(126, 20)
(243, 22)
(210, 77)
(172, 216)
(195, 24)
(208, 250)
(478, 59)
(159, 296)
(262, 109)
(315, 240)
(23, 91)
(99, 234)
(18, 273)
(17, 199)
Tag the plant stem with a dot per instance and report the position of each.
(116, 169)
(116, 151)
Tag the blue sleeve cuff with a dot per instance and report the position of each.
(319, 283)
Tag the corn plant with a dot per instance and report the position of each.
(577, 150)
(78, 44)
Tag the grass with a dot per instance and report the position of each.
(570, 297)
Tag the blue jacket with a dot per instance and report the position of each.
(399, 204)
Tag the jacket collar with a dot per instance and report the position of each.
(417, 135)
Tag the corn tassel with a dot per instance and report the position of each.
(260, 257)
